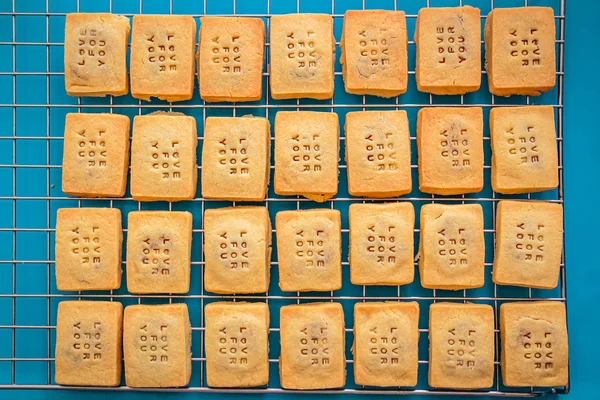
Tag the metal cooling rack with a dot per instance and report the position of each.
(28, 311)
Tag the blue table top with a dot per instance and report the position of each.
(581, 184)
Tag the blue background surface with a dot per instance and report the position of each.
(34, 215)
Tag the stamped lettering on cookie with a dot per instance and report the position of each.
(530, 242)
(455, 148)
(384, 345)
(314, 347)
(310, 247)
(154, 343)
(452, 247)
(524, 46)
(374, 47)
(156, 254)
(523, 145)
(85, 245)
(382, 243)
(226, 51)
(306, 152)
(381, 154)
(450, 45)
(234, 344)
(162, 52)
(92, 147)
(461, 348)
(234, 252)
(234, 156)
(537, 350)
(302, 52)
(91, 47)
(165, 160)
(87, 340)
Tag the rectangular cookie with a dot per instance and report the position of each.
(230, 58)
(461, 346)
(452, 246)
(163, 57)
(382, 243)
(378, 153)
(88, 343)
(302, 50)
(374, 52)
(236, 156)
(88, 249)
(95, 155)
(163, 157)
(159, 249)
(237, 250)
(309, 250)
(448, 43)
(312, 346)
(529, 242)
(237, 345)
(520, 50)
(535, 346)
(306, 154)
(157, 345)
(524, 149)
(450, 147)
(95, 54)
(386, 341)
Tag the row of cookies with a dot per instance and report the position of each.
(157, 344)
(520, 54)
(236, 154)
(237, 248)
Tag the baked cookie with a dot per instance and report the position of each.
(157, 345)
(386, 341)
(237, 344)
(236, 154)
(535, 346)
(378, 153)
(159, 248)
(450, 147)
(95, 155)
(461, 346)
(452, 247)
(524, 149)
(306, 154)
(230, 58)
(95, 54)
(520, 50)
(448, 50)
(529, 241)
(374, 52)
(302, 56)
(382, 243)
(312, 346)
(237, 250)
(88, 343)
(309, 250)
(163, 57)
(163, 157)
(88, 249)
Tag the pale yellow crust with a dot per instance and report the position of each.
(302, 50)
(378, 153)
(95, 155)
(448, 50)
(524, 149)
(88, 249)
(95, 54)
(312, 346)
(452, 246)
(230, 58)
(529, 241)
(159, 248)
(88, 348)
(236, 155)
(309, 250)
(520, 50)
(461, 346)
(237, 345)
(535, 348)
(157, 345)
(382, 243)
(307, 154)
(374, 52)
(386, 341)
(163, 57)
(237, 250)
(450, 147)
(163, 157)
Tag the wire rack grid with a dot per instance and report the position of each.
(32, 123)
